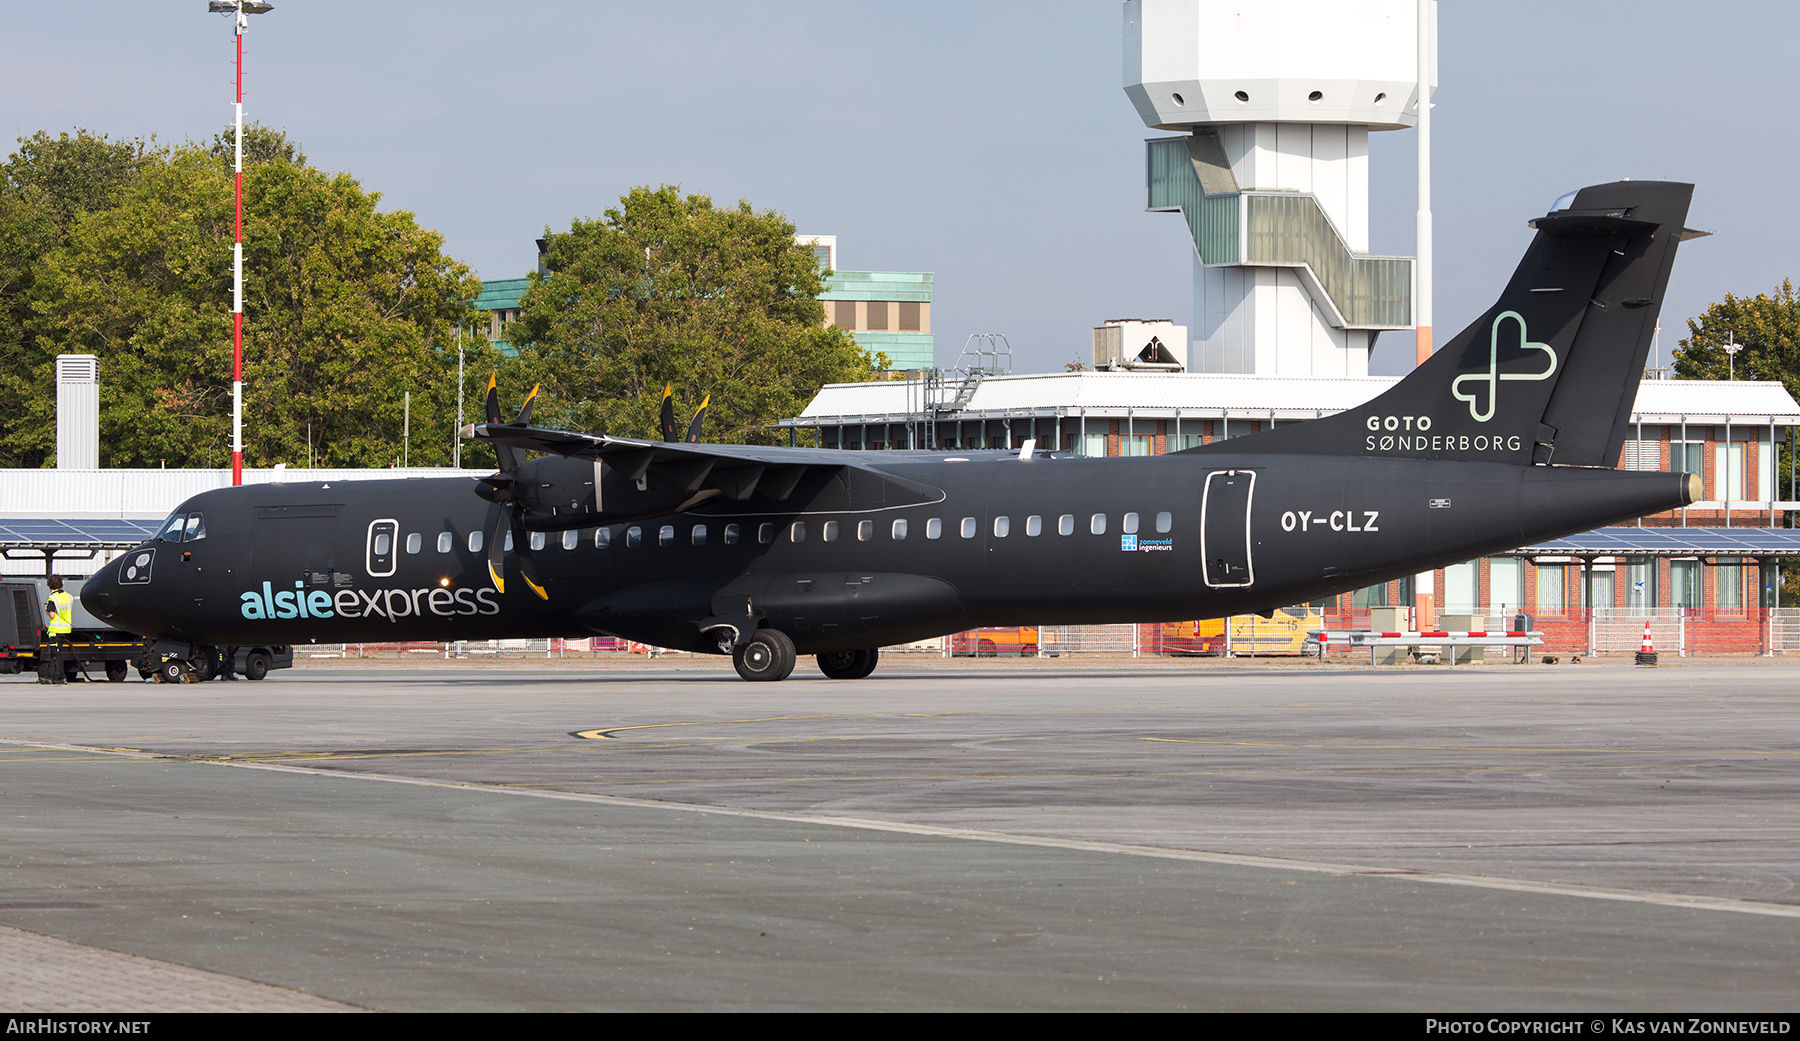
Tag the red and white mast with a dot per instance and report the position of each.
(240, 10)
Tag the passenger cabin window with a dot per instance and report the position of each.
(1034, 526)
(415, 542)
(831, 531)
(934, 528)
(445, 541)
(602, 538)
(865, 530)
(1131, 524)
(537, 540)
(968, 527)
(698, 535)
(1065, 524)
(634, 537)
(475, 538)
(1164, 522)
(797, 531)
(1097, 524)
(383, 543)
(900, 530)
(765, 534)
(731, 534)
(570, 538)
(1002, 525)
(665, 535)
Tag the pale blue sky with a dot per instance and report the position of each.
(987, 142)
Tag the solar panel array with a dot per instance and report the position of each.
(96, 533)
(1675, 542)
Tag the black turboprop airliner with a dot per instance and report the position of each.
(1506, 436)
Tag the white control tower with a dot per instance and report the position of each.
(1275, 100)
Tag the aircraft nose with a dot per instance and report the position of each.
(100, 594)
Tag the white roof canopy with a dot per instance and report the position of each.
(1203, 395)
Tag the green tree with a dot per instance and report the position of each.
(1768, 327)
(670, 289)
(46, 186)
(346, 308)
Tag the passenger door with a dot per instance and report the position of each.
(1225, 527)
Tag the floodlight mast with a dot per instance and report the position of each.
(240, 10)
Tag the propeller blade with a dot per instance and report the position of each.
(524, 419)
(493, 398)
(496, 548)
(522, 547)
(506, 455)
(668, 412)
(694, 425)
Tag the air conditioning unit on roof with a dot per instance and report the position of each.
(1140, 345)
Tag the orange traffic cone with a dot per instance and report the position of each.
(1646, 654)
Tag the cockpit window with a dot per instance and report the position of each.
(171, 532)
(196, 528)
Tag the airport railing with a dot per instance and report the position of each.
(1602, 631)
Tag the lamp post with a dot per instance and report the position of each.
(240, 10)
(1732, 347)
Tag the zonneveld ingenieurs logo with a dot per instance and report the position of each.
(392, 604)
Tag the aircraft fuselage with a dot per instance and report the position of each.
(1044, 540)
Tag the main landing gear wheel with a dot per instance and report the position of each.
(210, 662)
(768, 656)
(848, 665)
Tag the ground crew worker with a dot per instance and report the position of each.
(61, 611)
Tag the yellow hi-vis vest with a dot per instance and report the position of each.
(63, 618)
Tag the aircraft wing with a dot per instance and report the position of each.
(736, 472)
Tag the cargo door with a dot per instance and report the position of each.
(296, 544)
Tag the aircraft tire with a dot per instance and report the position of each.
(256, 665)
(211, 661)
(848, 665)
(767, 657)
(175, 671)
(788, 655)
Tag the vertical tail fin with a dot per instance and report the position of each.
(1549, 374)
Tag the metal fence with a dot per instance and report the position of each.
(1071, 640)
(1681, 631)
(1605, 631)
